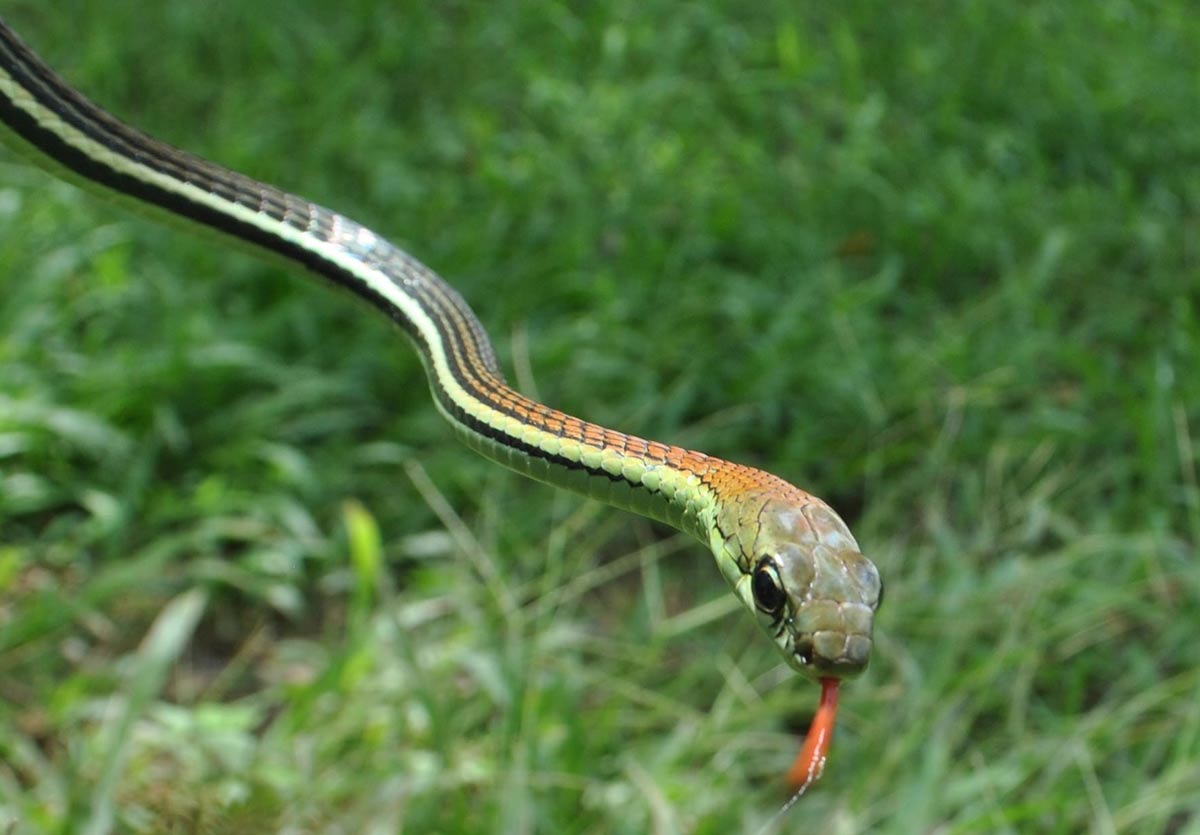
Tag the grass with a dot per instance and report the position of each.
(936, 262)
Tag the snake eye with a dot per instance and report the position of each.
(767, 587)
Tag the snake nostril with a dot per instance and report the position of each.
(805, 654)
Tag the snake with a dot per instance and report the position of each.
(787, 555)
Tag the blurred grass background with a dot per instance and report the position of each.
(936, 262)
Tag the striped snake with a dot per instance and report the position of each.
(787, 555)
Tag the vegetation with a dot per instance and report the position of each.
(937, 262)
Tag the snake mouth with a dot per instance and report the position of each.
(833, 654)
(832, 639)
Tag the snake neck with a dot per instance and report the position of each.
(688, 490)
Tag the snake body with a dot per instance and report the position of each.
(787, 555)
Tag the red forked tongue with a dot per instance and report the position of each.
(811, 762)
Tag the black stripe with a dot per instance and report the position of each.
(57, 96)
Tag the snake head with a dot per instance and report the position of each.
(800, 570)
